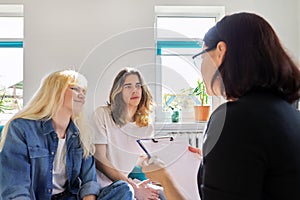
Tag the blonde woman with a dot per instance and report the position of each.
(46, 151)
(118, 125)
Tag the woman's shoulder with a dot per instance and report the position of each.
(103, 113)
(235, 108)
(220, 111)
(102, 110)
(24, 125)
(22, 121)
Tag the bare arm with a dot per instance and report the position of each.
(157, 172)
(170, 189)
(105, 166)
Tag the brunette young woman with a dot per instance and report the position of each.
(117, 127)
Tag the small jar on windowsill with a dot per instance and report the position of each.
(175, 115)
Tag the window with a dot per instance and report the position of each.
(179, 34)
(11, 60)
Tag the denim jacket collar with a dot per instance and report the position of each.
(47, 127)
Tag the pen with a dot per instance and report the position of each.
(144, 149)
(155, 140)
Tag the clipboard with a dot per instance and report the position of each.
(154, 140)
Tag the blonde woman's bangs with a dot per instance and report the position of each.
(75, 78)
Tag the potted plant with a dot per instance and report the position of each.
(2, 104)
(180, 105)
(202, 109)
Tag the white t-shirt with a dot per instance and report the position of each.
(122, 148)
(59, 168)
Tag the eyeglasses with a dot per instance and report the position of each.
(197, 60)
(78, 90)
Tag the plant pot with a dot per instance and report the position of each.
(201, 113)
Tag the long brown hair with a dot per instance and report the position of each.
(118, 106)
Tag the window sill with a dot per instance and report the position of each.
(180, 127)
(191, 131)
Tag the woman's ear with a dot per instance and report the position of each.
(221, 51)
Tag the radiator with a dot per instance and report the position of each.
(192, 130)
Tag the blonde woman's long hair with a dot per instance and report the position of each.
(49, 99)
(119, 108)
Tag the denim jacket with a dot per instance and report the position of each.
(26, 162)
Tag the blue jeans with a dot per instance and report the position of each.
(118, 190)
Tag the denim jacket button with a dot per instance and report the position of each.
(52, 153)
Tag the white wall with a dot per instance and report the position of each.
(99, 37)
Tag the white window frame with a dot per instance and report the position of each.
(11, 10)
(181, 11)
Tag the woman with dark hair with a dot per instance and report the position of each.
(117, 127)
(252, 142)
